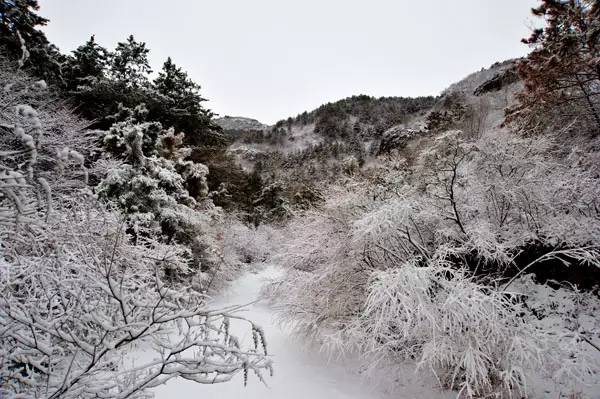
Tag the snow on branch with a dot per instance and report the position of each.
(84, 311)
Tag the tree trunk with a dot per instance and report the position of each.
(590, 103)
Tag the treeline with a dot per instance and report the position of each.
(97, 80)
(362, 115)
(337, 140)
(351, 127)
(370, 116)
(105, 86)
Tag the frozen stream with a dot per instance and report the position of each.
(299, 372)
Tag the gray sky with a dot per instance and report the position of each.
(270, 59)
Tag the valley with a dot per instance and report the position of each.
(439, 246)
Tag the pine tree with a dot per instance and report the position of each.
(183, 109)
(174, 83)
(88, 60)
(129, 63)
(19, 15)
(562, 73)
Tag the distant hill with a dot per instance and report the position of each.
(350, 125)
(240, 123)
(363, 127)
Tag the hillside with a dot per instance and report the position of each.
(305, 153)
(355, 119)
(238, 123)
(454, 224)
(373, 122)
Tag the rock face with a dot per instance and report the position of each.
(396, 137)
(240, 123)
(497, 82)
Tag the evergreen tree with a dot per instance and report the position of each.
(174, 83)
(183, 108)
(19, 15)
(129, 63)
(88, 60)
(304, 120)
(562, 73)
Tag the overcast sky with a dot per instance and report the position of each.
(270, 59)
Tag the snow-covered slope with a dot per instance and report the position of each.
(367, 120)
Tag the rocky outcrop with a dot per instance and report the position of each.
(239, 123)
(396, 137)
(498, 81)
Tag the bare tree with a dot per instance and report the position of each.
(80, 302)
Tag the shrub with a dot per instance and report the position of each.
(79, 296)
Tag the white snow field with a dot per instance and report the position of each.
(298, 371)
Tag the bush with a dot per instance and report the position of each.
(78, 295)
(429, 265)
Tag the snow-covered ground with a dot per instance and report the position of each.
(299, 371)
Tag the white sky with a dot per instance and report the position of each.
(270, 59)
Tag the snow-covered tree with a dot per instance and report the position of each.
(86, 311)
(175, 84)
(430, 264)
(156, 185)
(129, 63)
(562, 72)
(89, 61)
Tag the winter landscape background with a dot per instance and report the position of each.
(428, 246)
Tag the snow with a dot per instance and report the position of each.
(300, 372)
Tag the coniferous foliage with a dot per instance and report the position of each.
(98, 80)
(19, 23)
(129, 63)
(184, 109)
(374, 115)
(174, 83)
(21, 16)
(89, 61)
(562, 73)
